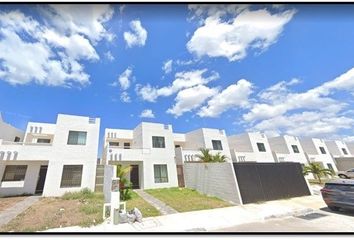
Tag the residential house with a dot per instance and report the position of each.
(338, 148)
(52, 159)
(10, 133)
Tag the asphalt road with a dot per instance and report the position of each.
(324, 220)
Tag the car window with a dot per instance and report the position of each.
(341, 187)
(350, 170)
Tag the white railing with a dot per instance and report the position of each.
(127, 154)
(25, 151)
(24, 143)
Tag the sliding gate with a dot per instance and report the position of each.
(270, 181)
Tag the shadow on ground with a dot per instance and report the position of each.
(345, 212)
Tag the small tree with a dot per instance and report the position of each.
(125, 185)
(317, 170)
(206, 156)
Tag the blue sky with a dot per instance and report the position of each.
(278, 69)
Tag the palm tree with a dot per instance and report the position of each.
(205, 155)
(219, 158)
(317, 170)
(124, 183)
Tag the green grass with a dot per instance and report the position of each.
(146, 209)
(185, 199)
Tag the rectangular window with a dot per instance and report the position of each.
(261, 147)
(126, 145)
(71, 176)
(216, 144)
(77, 138)
(330, 166)
(160, 173)
(345, 151)
(158, 142)
(43, 140)
(14, 173)
(17, 139)
(114, 144)
(323, 151)
(295, 148)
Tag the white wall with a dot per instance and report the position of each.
(335, 148)
(214, 179)
(350, 146)
(282, 147)
(8, 132)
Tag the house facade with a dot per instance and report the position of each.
(338, 148)
(52, 158)
(317, 151)
(148, 149)
(287, 149)
(250, 147)
(10, 133)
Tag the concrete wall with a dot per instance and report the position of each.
(214, 179)
(109, 172)
(8, 132)
(344, 164)
(350, 146)
(283, 150)
(336, 148)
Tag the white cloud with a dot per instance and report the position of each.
(124, 97)
(247, 29)
(235, 95)
(187, 99)
(138, 35)
(147, 113)
(53, 50)
(182, 80)
(167, 66)
(109, 56)
(124, 79)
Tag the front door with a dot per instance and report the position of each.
(41, 179)
(134, 176)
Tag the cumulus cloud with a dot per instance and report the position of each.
(235, 95)
(124, 79)
(124, 97)
(246, 29)
(187, 99)
(147, 113)
(53, 49)
(167, 66)
(109, 56)
(182, 80)
(136, 37)
(315, 112)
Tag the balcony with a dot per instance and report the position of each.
(124, 154)
(10, 151)
(189, 155)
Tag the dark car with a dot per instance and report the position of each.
(339, 193)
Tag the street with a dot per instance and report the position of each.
(324, 220)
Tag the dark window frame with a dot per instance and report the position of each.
(215, 144)
(71, 141)
(18, 176)
(261, 149)
(295, 148)
(160, 178)
(113, 144)
(40, 140)
(17, 139)
(344, 151)
(158, 144)
(65, 183)
(322, 150)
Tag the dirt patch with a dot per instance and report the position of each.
(7, 202)
(54, 213)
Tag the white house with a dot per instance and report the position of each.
(317, 151)
(188, 145)
(250, 147)
(52, 159)
(149, 149)
(338, 148)
(10, 133)
(287, 149)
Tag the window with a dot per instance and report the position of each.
(330, 166)
(295, 148)
(43, 140)
(77, 138)
(114, 144)
(14, 173)
(345, 151)
(71, 176)
(160, 173)
(177, 146)
(216, 144)
(261, 147)
(323, 151)
(17, 139)
(158, 142)
(126, 145)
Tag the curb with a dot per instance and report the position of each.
(297, 212)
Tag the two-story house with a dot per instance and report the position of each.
(52, 159)
(10, 133)
(338, 148)
(250, 147)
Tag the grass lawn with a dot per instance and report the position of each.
(82, 208)
(185, 199)
(146, 209)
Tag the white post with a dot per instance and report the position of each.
(115, 201)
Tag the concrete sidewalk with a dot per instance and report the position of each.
(209, 220)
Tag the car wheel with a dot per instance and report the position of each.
(343, 176)
(334, 208)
